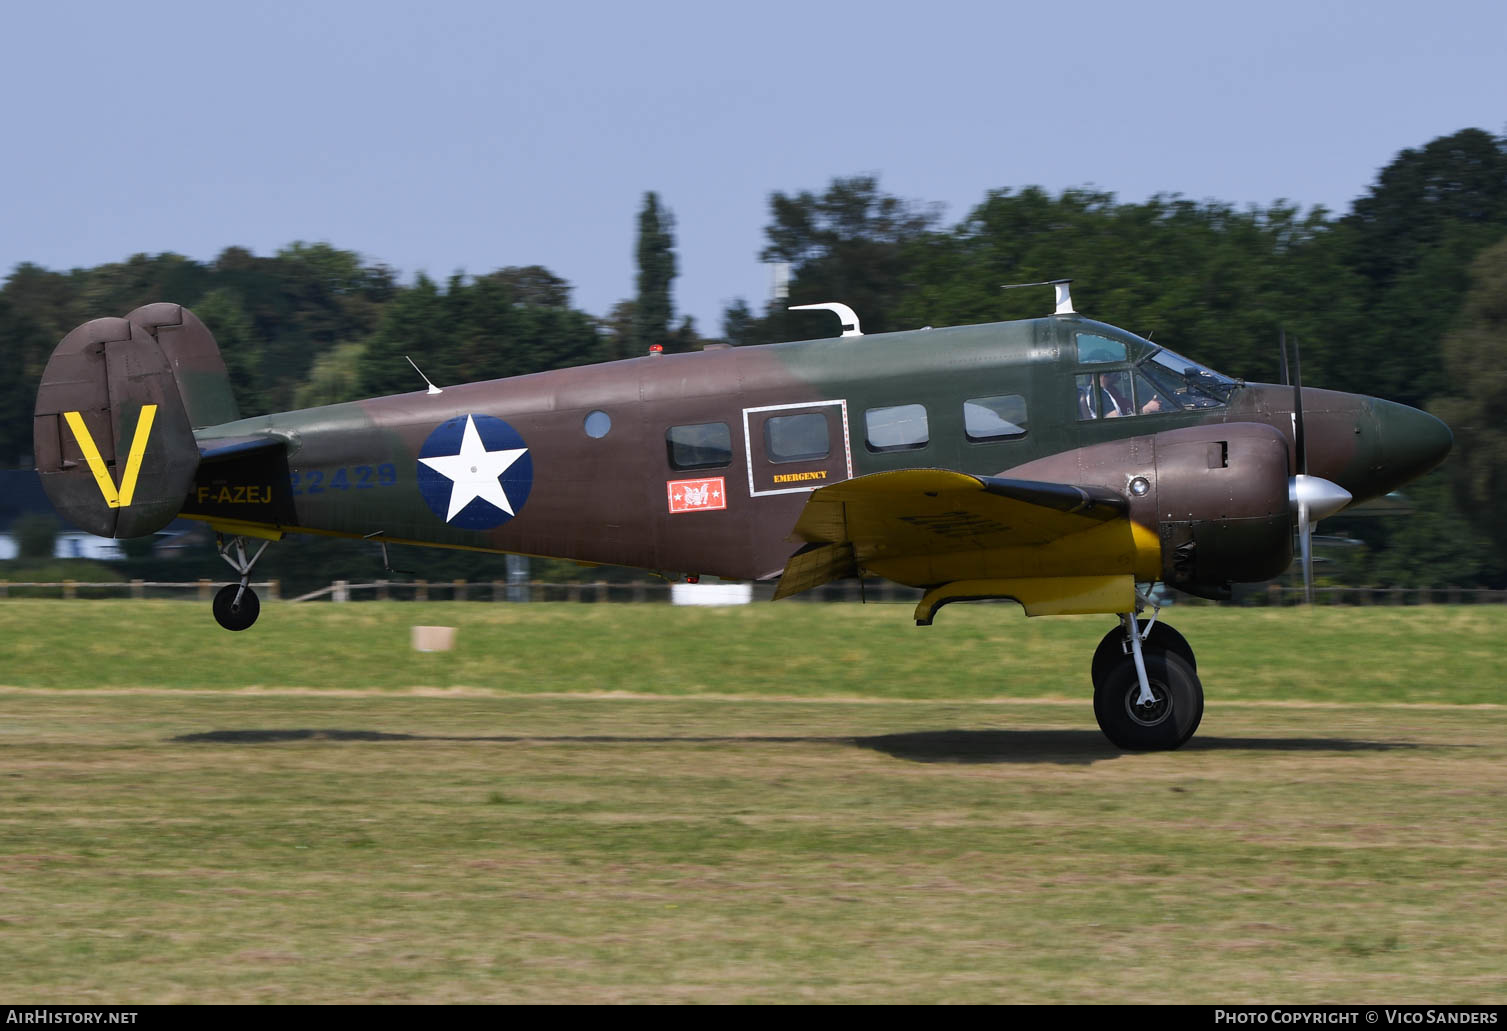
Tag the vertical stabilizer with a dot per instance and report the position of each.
(112, 440)
(194, 357)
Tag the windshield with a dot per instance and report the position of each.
(1190, 384)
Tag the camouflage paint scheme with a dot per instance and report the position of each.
(1216, 509)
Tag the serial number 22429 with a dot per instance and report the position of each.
(357, 477)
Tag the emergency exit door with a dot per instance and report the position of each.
(797, 447)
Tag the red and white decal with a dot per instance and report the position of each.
(697, 495)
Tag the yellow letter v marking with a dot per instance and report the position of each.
(114, 499)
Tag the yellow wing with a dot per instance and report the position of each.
(929, 527)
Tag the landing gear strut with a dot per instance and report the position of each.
(1147, 695)
(236, 605)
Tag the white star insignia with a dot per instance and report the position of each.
(475, 472)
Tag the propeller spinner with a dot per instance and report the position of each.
(1311, 497)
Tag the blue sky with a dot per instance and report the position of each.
(465, 136)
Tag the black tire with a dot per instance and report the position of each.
(232, 616)
(1164, 725)
(1163, 637)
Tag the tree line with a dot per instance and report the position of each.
(1403, 296)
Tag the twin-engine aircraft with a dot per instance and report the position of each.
(1058, 462)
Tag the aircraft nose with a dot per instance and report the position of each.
(1412, 442)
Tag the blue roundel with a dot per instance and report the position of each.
(475, 472)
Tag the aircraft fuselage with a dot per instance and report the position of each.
(702, 462)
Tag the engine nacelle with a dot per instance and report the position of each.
(1215, 494)
(1222, 510)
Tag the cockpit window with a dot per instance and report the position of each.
(1150, 400)
(1094, 349)
(1184, 382)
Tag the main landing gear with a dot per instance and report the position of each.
(1147, 695)
(236, 605)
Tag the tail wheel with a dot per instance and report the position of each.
(1164, 723)
(1163, 638)
(236, 615)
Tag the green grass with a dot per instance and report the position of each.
(1414, 654)
(802, 803)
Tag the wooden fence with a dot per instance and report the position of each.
(659, 591)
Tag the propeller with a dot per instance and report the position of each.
(1312, 497)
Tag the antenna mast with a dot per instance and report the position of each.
(1062, 287)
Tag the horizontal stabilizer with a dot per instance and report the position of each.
(222, 448)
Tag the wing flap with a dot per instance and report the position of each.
(814, 565)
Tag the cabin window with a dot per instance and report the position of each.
(702, 446)
(994, 418)
(797, 438)
(598, 424)
(897, 428)
(1095, 349)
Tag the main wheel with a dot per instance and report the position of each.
(1168, 720)
(1163, 637)
(232, 616)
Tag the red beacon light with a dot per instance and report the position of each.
(655, 350)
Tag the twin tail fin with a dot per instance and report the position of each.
(114, 422)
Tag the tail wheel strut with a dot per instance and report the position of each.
(236, 605)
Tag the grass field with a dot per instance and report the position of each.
(778, 803)
(1413, 654)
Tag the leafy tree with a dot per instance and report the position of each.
(49, 299)
(1433, 546)
(1475, 357)
(1205, 278)
(335, 377)
(1422, 196)
(413, 325)
(299, 303)
(225, 317)
(685, 337)
(119, 287)
(1411, 239)
(533, 285)
(739, 324)
(852, 244)
(617, 331)
(472, 331)
(25, 347)
(653, 309)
